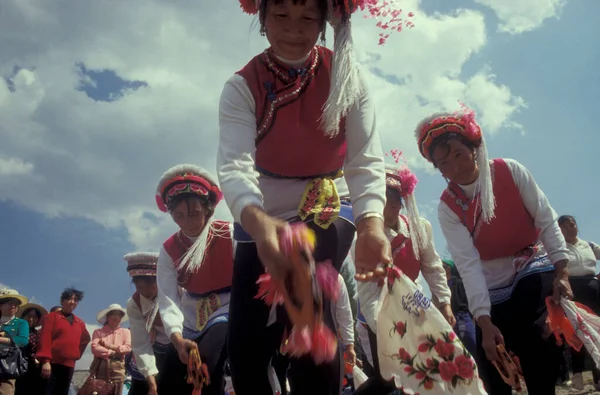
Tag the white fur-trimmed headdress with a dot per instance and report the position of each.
(461, 123)
(141, 263)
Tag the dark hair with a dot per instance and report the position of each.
(395, 193)
(564, 218)
(323, 8)
(68, 293)
(187, 198)
(444, 140)
(37, 311)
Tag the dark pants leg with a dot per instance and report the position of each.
(213, 352)
(138, 387)
(32, 382)
(376, 384)
(521, 321)
(586, 291)
(253, 345)
(60, 380)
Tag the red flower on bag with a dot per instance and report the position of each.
(404, 355)
(430, 363)
(400, 328)
(424, 347)
(447, 370)
(428, 384)
(444, 350)
(464, 366)
(420, 375)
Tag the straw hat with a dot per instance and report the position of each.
(28, 306)
(8, 293)
(101, 316)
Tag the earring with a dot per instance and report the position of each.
(263, 30)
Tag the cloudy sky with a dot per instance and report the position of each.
(98, 98)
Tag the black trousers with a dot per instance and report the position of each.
(586, 291)
(32, 382)
(521, 319)
(60, 380)
(213, 352)
(252, 345)
(376, 384)
(140, 387)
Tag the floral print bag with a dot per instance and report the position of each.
(417, 347)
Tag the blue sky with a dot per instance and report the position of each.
(96, 107)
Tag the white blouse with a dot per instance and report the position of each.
(480, 276)
(582, 258)
(242, 185)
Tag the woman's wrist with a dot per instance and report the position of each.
(368, 222)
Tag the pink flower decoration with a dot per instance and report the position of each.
(299, 342)
(327, 277)
(267, 291)
(388, 15)
(324, 344)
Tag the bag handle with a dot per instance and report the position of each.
(96, 366)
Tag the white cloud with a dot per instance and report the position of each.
(87, 357)
(14, 167)
(102, 160)
(518, 16)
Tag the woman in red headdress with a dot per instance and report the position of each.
(290, 121)
(494, 217)
(194, 278)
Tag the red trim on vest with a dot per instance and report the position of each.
(157, 320)
(289, 106)
(404, 256)
(216, 270)
(510, 231)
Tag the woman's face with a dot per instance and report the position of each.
(456, 162)
(9, 307)
(293, 29)
(190, 215)
(147, 287)
(393, 204)
(32, 318)
(68, 305)
(113, 318)
(569, 229)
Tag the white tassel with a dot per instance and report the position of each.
(484, 188)
(194, 257)
(346, 86)
(417, 232)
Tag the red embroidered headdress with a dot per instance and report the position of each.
(346, 86)
(141, 263)
(461, 123)
(186, 179)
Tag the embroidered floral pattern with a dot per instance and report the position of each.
(320, 199)
(205, 307)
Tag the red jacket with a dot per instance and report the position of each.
(61, 342)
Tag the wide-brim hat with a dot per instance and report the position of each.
(8, 293)
(33, 306)
(101, 316)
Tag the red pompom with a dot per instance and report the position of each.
(249, 6)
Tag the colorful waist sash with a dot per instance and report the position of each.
(539, 264)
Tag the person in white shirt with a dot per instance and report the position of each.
(583, 256)
(149, 341)
(493, 215)
(292, 120)
(195, 267)
(413, 252)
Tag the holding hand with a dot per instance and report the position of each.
(372, 249)
(491, 337)
(446, 311)
(561, 285)
(183, 347)
(46, 370)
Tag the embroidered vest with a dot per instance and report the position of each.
(138, 302)
(217, 268)
(289, 106)
(404, 256)
(510, 231)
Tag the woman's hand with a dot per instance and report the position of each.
(561, 285)
(46, 370)
(491, 337)
(446, 311)
(152, 387)
(372, 249)
(265, 231)
(183, 347)
(350, 354)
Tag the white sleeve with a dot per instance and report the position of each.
(343, 314)
(364, 167)
(467, 260)
(433, 269)
(168, 294)
(595, 249)
(140, 341)
(238, 178)
(537, 205)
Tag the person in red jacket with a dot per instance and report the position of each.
(63, 340)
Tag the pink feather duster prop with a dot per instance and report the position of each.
(327, 277)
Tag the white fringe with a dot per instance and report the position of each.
(484, 188)
(346, 86)
(417, 232)
(194, 257)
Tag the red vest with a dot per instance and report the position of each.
(510, 231)
(289, 105)
(216, 270)
(404, 256)
(157, 320)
